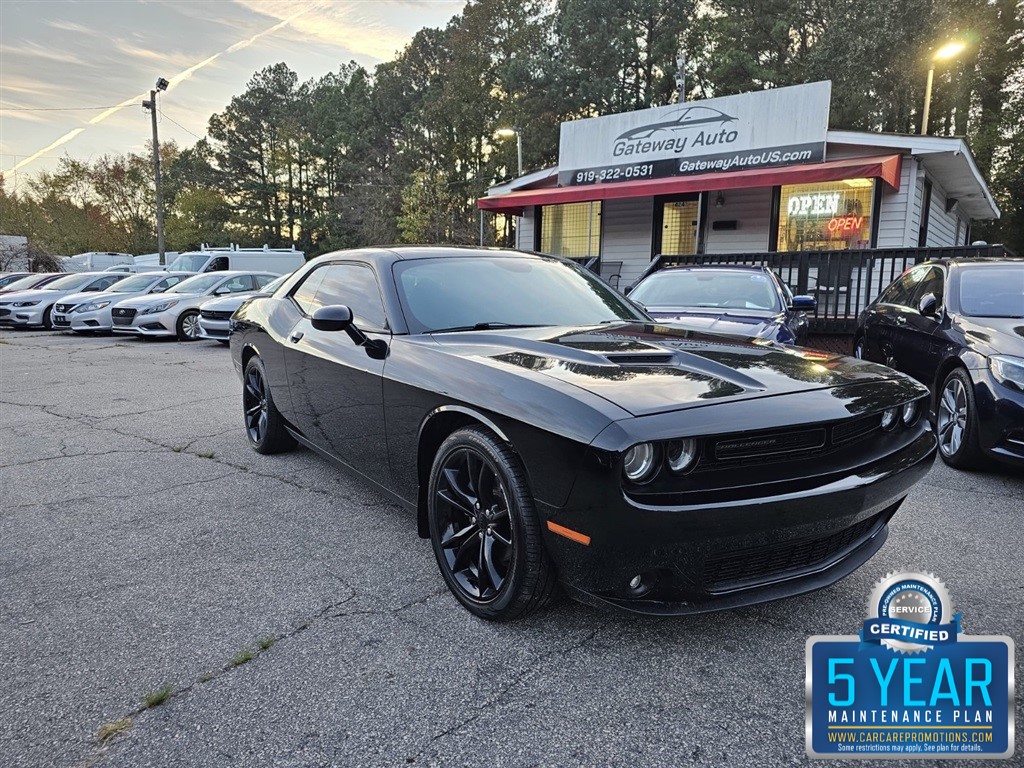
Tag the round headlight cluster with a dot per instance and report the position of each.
(681, 453)
(641, 462)
(889, 418)
(910, 413)
(638, 463)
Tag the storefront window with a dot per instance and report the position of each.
(572, 230)
(830, 216)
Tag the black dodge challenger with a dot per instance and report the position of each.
(544, 430)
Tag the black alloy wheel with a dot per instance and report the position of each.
(264, 425)
(484, 528)
(188, 326)
(956, 421)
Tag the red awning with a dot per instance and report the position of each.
(886, 168)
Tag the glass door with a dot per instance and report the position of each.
(680, 224)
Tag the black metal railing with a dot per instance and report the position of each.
(842, 282)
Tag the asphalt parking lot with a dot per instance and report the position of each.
(144, 545)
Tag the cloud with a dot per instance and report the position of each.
(34, 51)
(70, 26)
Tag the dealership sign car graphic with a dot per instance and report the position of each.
(912, 684)
(751, 130)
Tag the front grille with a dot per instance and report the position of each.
(209, 314)
(851, 430)
(4, 312)
(769, 561)
(123, 315)
(769, 444)
(61, 322)
(62, 308)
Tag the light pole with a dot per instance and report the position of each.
(161, 85)
(508, 133)
(946, 52)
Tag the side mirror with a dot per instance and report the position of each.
(339, 318)
(804, 304)
(929, 305)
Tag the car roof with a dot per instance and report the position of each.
(973, 261)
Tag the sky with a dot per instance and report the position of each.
(106, 53)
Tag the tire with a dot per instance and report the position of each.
(48, 319)
(482, 517)
(858, 348)
(956, 421)
(264, 425)
(188, 325)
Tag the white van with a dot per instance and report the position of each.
(95, 261)
(280, 261)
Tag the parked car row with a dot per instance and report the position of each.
(146, 304)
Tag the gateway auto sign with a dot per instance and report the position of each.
(750, 130)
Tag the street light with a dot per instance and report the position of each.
(945, 53)
(161, 85)
(508, 133)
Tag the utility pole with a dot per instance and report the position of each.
(681, 74)
(161, 85)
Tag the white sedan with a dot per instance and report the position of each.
(175, 312)
(215, 314)
(35, 307)
(86, 312)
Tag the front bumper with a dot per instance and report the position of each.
(157, 324)
(24, 316)
(1000, 412)
(96, 320)
(214, 329)
(725, 554)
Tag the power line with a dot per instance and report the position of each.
(54, 109)
(164, 114)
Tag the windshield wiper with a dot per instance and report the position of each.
(486, 327)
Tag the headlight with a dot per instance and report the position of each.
(910, 413)
(681, 453)
(92, 307)
(1008, 370)
(161, 307)
(889, 418)
(638, 462)
(25, 303)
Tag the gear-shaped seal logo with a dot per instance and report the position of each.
(910, 613)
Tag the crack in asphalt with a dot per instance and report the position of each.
(496, 699)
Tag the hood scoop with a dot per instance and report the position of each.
(642, 358)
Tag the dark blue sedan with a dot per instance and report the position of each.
(957, 326)
(743, 301)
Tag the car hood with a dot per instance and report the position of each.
(34, 294)
(151, 300)
(646, 369)
(994, 335)
(88, 298)
(752, 325)
(227, 303)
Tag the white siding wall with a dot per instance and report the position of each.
(941, 225)
(525, 229)
(751, 209)
(893, 229)
(626, 227)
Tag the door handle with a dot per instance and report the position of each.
(295, 337)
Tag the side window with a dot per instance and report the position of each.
(262, 281)
(932, 283)
(217, 265)
(902, 291)
(355, 286)
(305, 294)
(237, 284)
(170, 282)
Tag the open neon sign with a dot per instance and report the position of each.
(843, 225)
(819, 204)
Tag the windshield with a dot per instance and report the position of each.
(69, 283)
(136, 284)
(462, 292)
(189, 262)
(23, 283)
(274, 284)
(197, 284)
(992, 291)
(709, 288)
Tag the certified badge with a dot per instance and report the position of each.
(912, 684)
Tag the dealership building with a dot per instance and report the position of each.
(752, 178)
